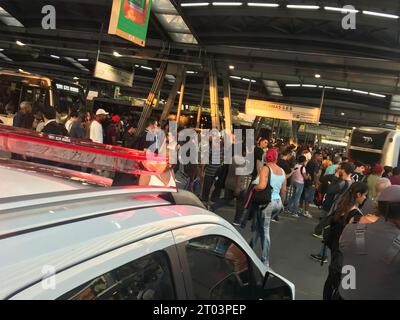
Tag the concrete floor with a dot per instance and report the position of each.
(291, 245)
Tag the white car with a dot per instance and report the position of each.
(65, 234)
(63, 238)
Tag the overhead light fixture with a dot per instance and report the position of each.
(54, 56)
(304, 7)
(195, 4)
(326, 87)
(1, 49)
(343, 89)
(21, 44)
(146, 68)
(293, 85)
(191, 72)
(20, 70)
(232, 67)
(253, 81)
(309, 85)
(227, 4)
(76, 78)
(246, 79)
(342, 113)
(382, 15)
(235, 77)
(377, 95)
(342, 10)
(83, 60)
(359, 91)
(317, 76)
(116, 54)
(258, 4)
(354, 128)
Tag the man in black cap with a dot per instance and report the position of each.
(359, 170)
(371, 253)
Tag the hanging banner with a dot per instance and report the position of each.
(130, 20)
(283, 111)
(108, 72)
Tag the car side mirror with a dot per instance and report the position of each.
(274, 288)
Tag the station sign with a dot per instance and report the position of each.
(108, 72)
(283, 111)
(64, 87)
(130, 20)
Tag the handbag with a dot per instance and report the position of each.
(263, 197)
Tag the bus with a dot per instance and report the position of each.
(375, 145)
(16, 87)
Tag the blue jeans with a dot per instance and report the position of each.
(262, 226)
(294, 201)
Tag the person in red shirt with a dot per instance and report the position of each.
(395, 179)
(113, 131)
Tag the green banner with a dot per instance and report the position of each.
(130, 20)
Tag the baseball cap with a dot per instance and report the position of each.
(390, 194)
(100, 112)
(359, 164)
(116, 118)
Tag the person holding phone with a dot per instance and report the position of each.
(298, 176)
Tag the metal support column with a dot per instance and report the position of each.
(173, 93)
(214, 96)
(178, 112)
(157, 84)
(203, 93)
(227, 104)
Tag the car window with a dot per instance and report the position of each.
(147, 278)
(220, 269)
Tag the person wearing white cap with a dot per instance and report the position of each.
(96, 129)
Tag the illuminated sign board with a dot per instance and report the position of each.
(67, 88)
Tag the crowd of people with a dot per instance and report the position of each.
(355, 200)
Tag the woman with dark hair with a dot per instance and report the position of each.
(347, 211)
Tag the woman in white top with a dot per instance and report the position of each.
(298, 184)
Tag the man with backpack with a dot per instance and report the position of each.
(341, 182)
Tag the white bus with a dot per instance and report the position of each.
(375, 145)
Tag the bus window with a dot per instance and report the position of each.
(366, 157)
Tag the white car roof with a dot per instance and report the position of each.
(27, 178)
(64, 239)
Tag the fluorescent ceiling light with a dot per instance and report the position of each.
(146, 68)
(377, 95)
(258, 4)
(4, 57)
(309, 85)
(359, 91)
(246, 79)
(137, 66)
(54, 56)
(317, 76)
(304, 7)
(21, 44)
(195, 4)
(293, 85)
(232, 67)
(116, 54)
(1, 49)
(235, 77)
(76, 64)
(8, 19)
(253, 81)
(379, 14)
(83, 60)
(342, 113)
(343, 89)
(342, 10)
(191, 72)
(76, 78)
(329, 87)
(230, 4)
